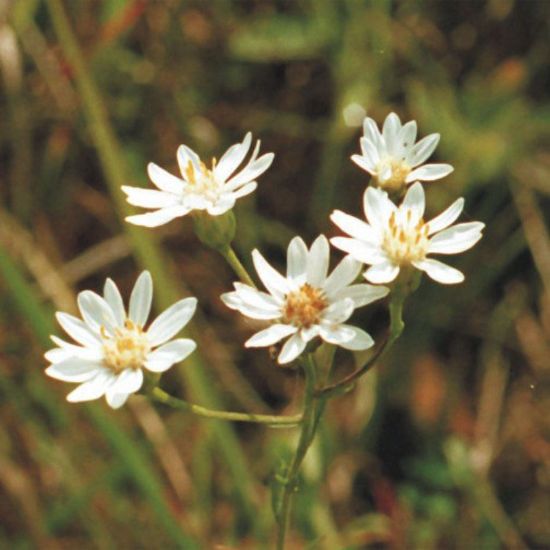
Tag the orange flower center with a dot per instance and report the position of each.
(303, 307)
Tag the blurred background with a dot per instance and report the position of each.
(446, 444)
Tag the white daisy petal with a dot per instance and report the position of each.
(252, 171)
(371, 156)
(447, 217)
(338, 312)
(336, 334)
(384, 272)
(308, 333)
(440, 272)
(256, 298)
(361, 340)
(244, 190)
(291, 349)
(361, 251)
(362, 294)
(116, 400)
(457, 238)
(112, 296)
(171, 321)
(407, 136)
(378, 208)
(271, 335)
(422, 150)
(128, 381)
(390, 132)
(149, 198)
(168, 354)
(354, 226)
(186, 155)
(430, 172)
(344, 274)
(415, 200)
(296, 260)
(371, 132)
(141, 298)
(317, 262)
(363, 163)
(92, 389)
(223, 205)
(74, 369)
(233, 157)
(95, 311)
(159, 217)
(77, 330)
(272, 279)
(164, 180)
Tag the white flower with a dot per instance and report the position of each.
(213, 189)
(112, 348)
(392, 156)
(306, 303)
(396, 237)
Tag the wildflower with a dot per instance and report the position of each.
(306, 303)
(392, 156)
(213, 189)
(112, 348)
(396, 237)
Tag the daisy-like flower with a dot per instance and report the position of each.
(213, 189)
(395, 237)
(112, 348)
(306, 303)
(393, 158)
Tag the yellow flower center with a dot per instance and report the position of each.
(303, 307)
(405, 239)
(203, 181)
(126, 349)
(399, 171)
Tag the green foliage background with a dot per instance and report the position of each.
(447, 444)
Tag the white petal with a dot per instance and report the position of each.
(338, 312)
(429, 172)
(159, 217)
(348, 337)
(362, 294)
(225, 203)
(291, 349)
(422, 150)
(244, 190)
(233, 157)
(112, 296)
(370, 152)
(141, 298)
(149, 198)
(77, 330)
(296, 260)
(456, 239)
(307, 334)
(363, 163)
(317, 261)
(447, 217)
(252, 171)
(381, 273)
(378, 208)
(343, 274)
(116, 400)
(361, 251)
(67, 350)
(372, 133)
(272, 279)
(92, 389)
(164, 180)
(269, 336)
(95, 311)
(354, 226)
(185, 155)
(390, 132)
(439, 271)
(233, 301)
(415, 200)
(74, 369)
(406, 138)
(128, 381)
(171, 321)
(245, 296)
(170, 353)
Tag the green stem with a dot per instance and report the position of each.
(231, 258)
(160, 396)
(309, 426)
(396, 328)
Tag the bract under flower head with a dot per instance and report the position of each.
(213, 188)
(113, 347)
(397, 236)
(393, 158)
(307, 302)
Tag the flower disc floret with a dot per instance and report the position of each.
(307, 303)
(393, 158)
(213, 190)
(393, 237)
(112, 346)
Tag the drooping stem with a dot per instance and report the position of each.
(231, 258)
(396, 328)
(311, 413)
(160, 396)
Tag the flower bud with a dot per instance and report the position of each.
(216, 232)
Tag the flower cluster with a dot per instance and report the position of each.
(113, 348)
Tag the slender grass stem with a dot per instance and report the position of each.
(160, 396)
